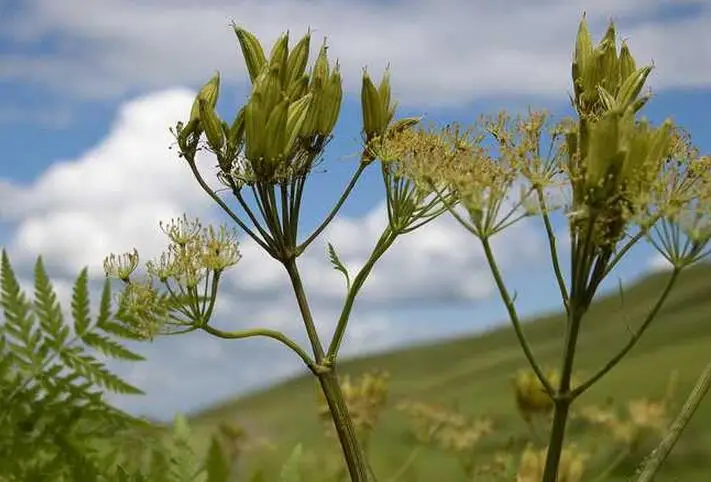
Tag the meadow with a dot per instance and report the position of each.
(474, 375)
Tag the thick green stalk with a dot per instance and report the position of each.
(350, 445)
(353, 452)
(562, 400)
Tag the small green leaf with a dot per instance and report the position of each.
(218, 466)
(80, 303)
(338, 265)
(291, 471)
(181, 428)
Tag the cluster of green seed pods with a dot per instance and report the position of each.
(613, 156)
(377, 106)
(286, 105)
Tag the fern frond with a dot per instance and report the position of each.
(47, 307)
(80, 303)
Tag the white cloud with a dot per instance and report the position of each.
(111, 199)
(658, 263)
(442, 52)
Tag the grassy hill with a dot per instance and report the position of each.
(475, 374)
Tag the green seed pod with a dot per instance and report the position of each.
(310, 125)
(235, 134)
(627, 63)
(320, 70)
(212, 125)
(298, 88)
(189, 128)
(252, 51)
(295, 120)
(298, 58)
(603, 149)
(632, 86)
(271, 88)
(331, 104)
(278, 58)
(372, 108)
(209, 92)
(254, 123)
(608, 100)
(583, 48)
(385, 99)
(275, 132)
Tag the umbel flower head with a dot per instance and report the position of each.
(622, 169)
(611, 171)
(194, 255)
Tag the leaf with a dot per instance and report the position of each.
(338, 265)
(47, 306)
(80, 303)
(181, 428)
(218, 467)
(109, 347)
(291, 471)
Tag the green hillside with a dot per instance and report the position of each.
(475, 374)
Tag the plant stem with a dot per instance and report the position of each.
(660, 454)
(513, 315)
(552, 248)
(562, 399)
(555, 444)
(277, 335)
(350, 445)
(386, 240)
(300, 294)
(352, 450)
(334, 211)
(633, 339)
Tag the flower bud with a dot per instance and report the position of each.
(298, 58)
(330, 105)
(252, 51)
(255, 120)
(275, 132)
(209, 93)
(294, 121)
(278, 58)
(372, 108)
(212, 125)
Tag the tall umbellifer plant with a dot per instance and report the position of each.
(617, 179)
(266, 156)
(621, 181)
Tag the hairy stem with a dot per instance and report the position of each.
(655, 460)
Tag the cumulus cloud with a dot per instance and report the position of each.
(111, 199)
(442, 52)
(658, 262)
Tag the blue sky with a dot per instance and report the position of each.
(88, 91)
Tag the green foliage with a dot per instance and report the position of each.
(52, 410)
(291, 472)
